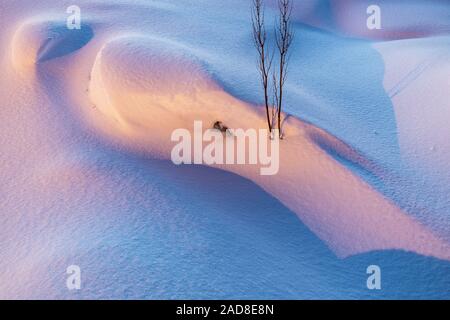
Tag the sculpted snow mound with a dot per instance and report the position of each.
(144, 88)
(172, 68)
(40, 39)
(142, 83)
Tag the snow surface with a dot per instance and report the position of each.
(86, 120)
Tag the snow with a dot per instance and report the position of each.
(45, 38)
(85, 177)
(153, 96)
(399, 19)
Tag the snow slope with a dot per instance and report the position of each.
(164, 84)
(400, 19)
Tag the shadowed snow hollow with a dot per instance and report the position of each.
(40, 39)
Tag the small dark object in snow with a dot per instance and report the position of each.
(218, 125)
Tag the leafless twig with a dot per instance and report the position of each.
(264, 58)
(284, 35)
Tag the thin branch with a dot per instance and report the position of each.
(265, 59)
(284, 36)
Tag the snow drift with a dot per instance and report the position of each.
(147, 87)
